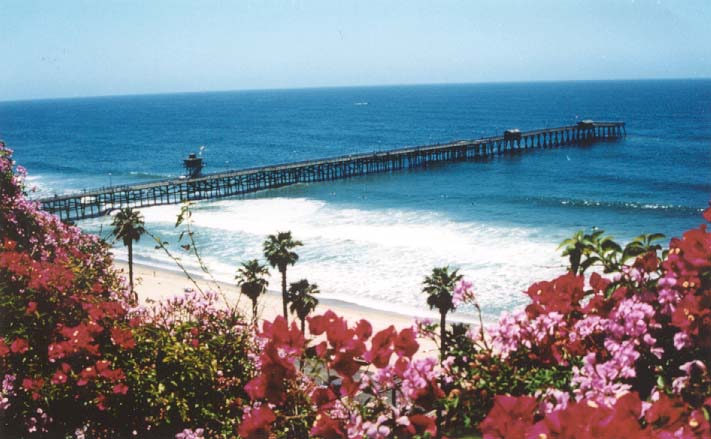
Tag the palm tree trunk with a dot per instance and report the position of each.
(130, 266)
(443, 335)
(254, 311)
(442, 353)
(303, 326)
(283, 295)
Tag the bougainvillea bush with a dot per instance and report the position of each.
(63, 318)
(351, 384)
(188, 368)
(623, 351)
(77, 359)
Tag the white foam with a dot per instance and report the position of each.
(376, 258)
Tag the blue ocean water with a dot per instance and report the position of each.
(371, 240)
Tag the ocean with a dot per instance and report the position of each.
(371, 240)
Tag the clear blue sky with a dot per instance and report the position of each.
(82, 48)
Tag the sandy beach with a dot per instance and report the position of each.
(156, 284)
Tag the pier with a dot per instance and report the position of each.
(98, 202)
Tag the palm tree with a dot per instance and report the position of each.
(278, 251)
(128, 226)
(439, 287)
(251, 278)
(303, 302)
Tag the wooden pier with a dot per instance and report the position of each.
(98, 202)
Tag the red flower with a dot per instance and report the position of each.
(85, 375)
(80, 337)
(33, 386)
(349, 387)
(563, 295)
(623, 420)
(103, 370)
(100, 400)
(27, 383)
(421, 424)
(588, 420)
(120, 389)
(257, 423)
(696, 247)
(337, 332)
(321, 349)
(327, 427)
(666, 412)
(323, 397)
(59, 377)
(318, 324)
(405, 343)
(31, 308)
(269, 384)
(689, 314)
(256, 388)
(4, 350)
(364, 329)
(95, 312)
(380, 351)
(280, 334)
(344, 363)
(19, 346)
(50, 276)
(509, 418)
(123, 338)
(598, 283)
(648, 262)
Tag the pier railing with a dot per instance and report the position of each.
(98, 202)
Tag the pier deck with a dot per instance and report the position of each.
(98, 202)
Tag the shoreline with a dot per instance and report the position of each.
(404, 312)
(159, 284)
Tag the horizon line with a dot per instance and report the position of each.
(322, 87)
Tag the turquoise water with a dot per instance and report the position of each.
(371, 240)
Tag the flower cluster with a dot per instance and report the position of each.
(60, 303)
(640, 330)
(77, 359)
(664, 417)
(355, 366)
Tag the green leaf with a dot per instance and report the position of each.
(655, 237)
(588, 263)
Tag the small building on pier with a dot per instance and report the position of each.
(193, 165)
(512, 134)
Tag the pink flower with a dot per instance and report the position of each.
(463, 293)
(187, 433)
(681, 340)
